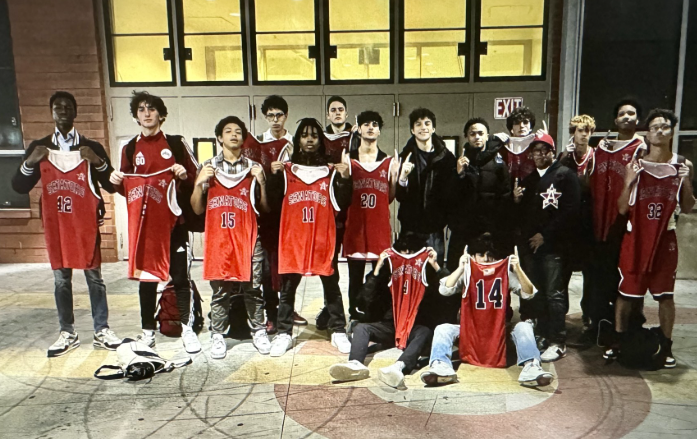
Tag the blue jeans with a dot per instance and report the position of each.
(445, 335)
(64, 298)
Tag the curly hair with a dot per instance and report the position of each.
(151, 100)
(65, 95)
(369, 116)
(518, 115)
(421, 113)
(662, 112)
(473, 121)
(228, 120)
(581, 120)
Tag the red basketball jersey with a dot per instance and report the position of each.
(517, 157)
(368, 223)
(231, 227)
(653, 201)
(607, 182)
(151, 154)
(483, 313)
(265, 153)
(335, 144)
(308, 229)
(152, 213)
(69, 204)
(407, 285)
(585, 164)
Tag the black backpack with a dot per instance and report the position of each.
(643, 349)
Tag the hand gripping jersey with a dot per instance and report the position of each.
(69, 205)
(152, 213)
(308, 229)
(483, 313)
(607, 182)
(335, 144)
(265, 153)
(517, 157)
(407, 285)
(368, 223)
(653, 201)
(231, 227)
(586, 164)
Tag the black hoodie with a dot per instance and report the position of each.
(423, 202)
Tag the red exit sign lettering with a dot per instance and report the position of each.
(504, 106)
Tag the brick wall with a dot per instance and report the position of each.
(55, 48)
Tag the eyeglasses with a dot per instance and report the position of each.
(664, 128)
(275, 116)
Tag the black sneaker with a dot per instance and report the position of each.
(610, 354)
(322, 319)
(66, 342)
(670, 359)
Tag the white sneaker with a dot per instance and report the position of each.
(218, 347)
(280, 345)
(553, 353)
(439, 373)
(350, 371)
(341, 342)
(261, 341)
(147, 337)
(190, 340)
(106, 339)
(533, 374)
(66, 342)
(392, 375)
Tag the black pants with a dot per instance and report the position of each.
(178, 269)
(269, 293)
(605, 279)
(356, 270)
(383, 333)
(550, 274)
(332, 299)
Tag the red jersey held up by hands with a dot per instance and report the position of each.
(368, 228)
(308, 229)
(407, 285)
(335, 144)
(69, 210)
(231, 227)
(653, 200)
(483, 313)
(517, 157)
(265, 153)
(152, 214)
(607, 182)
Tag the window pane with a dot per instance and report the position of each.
(433, 55)
(215, 58)
(359, 15)
(139, 59)
(361, 56)
(205, 151)
(284, 57)
(689, 102)
(284, 15)
(139, 17)
(508, 13)
(512, 52)
(212, 16)
(435, 14)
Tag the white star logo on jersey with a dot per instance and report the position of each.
(550, 197)
(383, 174)
(243, 192)
(81, 176)
(323, 186)
(162, 183)
(626, 157)
(272, 151)
(419, 263)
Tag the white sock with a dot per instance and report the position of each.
(148, 332)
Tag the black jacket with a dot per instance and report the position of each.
(375, 297)
(550, 206)
(24, 183)
(423, 202)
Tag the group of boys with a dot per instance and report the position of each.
(279, 207)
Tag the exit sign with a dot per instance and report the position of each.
(504, 106)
